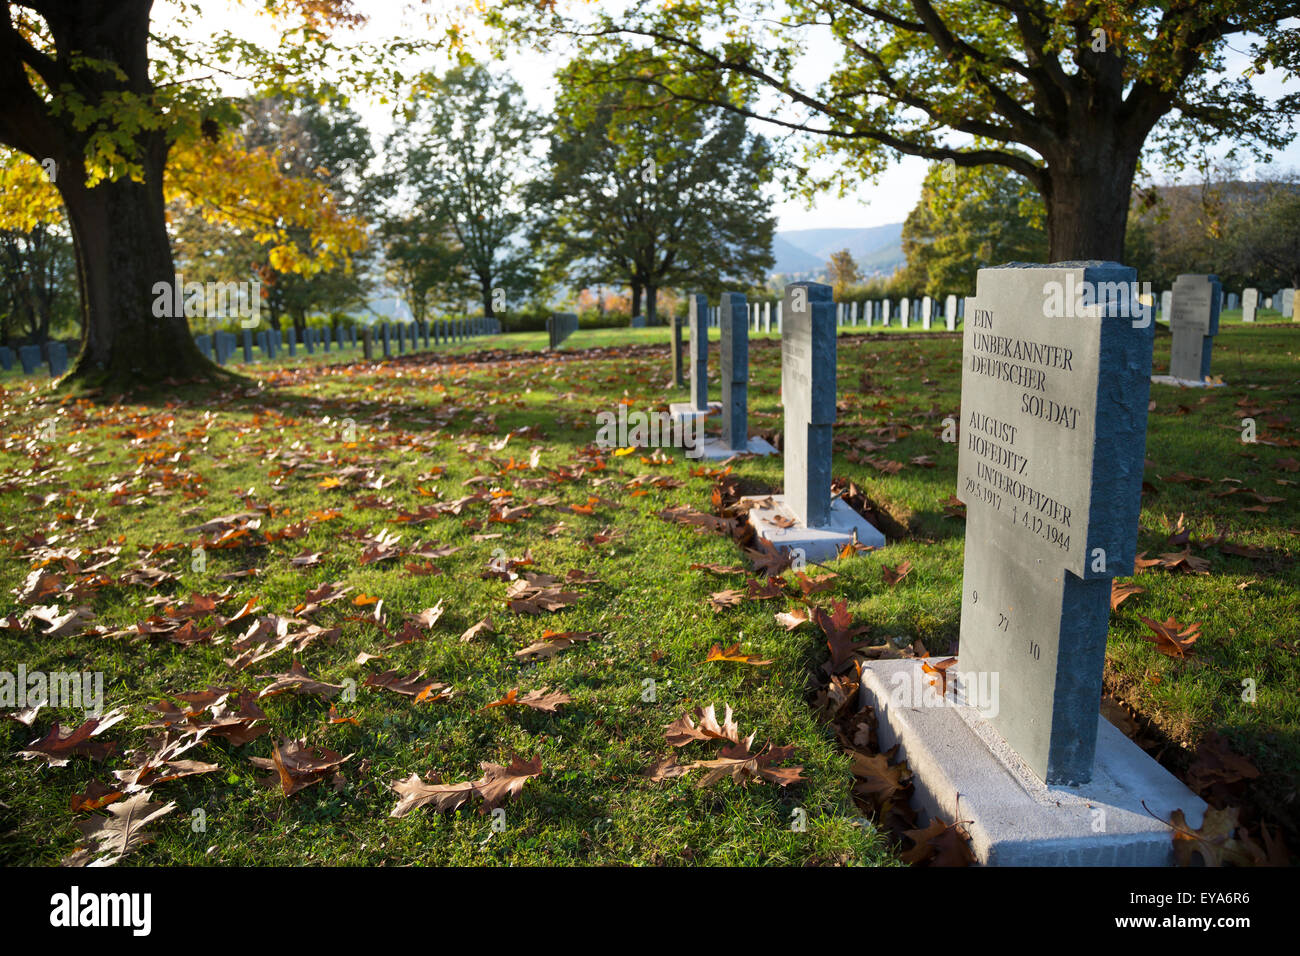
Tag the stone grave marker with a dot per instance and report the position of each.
(675, 343)
(734, 365)
(1249, 304)
(927, 307)
(805, 518)
(1194, 320)
(1051, 451)
(697, 361)
(1050, 461)
(950, 313)
(57, 357)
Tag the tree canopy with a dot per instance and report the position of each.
(1067, 95)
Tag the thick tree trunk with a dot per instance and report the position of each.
(651, 303)
(636, 298)
(123, 251)
(485, 285)
(1088, 191)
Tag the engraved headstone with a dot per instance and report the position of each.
(927, 309)
(905, 312)
(1053, 437)
(1194, 321)
(950, 313)
(1288, 303)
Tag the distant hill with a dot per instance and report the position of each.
(877, 249)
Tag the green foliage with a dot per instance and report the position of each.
(1067, 95)
(38, 283)
(461, 161)
(967, 219)
(652, 195)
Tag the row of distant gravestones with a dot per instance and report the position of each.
(220, 346)
(29, 356)
(924, 310)
(400, 337)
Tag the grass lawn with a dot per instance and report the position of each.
(502, 443)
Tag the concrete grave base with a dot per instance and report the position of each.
(963, 770)
(1184, 382)
(714, 450)
(818, 544)
(681, 411)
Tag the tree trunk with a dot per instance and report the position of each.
(485, 285)
(636, 298)
(1087, 195)
(122, 253)
(651, 295)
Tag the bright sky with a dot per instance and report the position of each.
(889, 199)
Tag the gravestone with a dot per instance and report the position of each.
(1249, 304)
(734, 365)
(291, 335)
(905, 312)
(950, 313)
(264, 344)
(691, 412)
(885, 308)
(699, 353)
(1233, 301)
(1194, 320)
(367, 344)
(675, 343)
(805, 519)
(560, 326)
(386, 334)
(1288, 303)
(202, 342)
(767, 317)
(1050, 461)
(1166, 304)
(1050, 466)
(57, 357)
(927, 306)
(637, 322)
(352, 336)
(248, 346)
(401, 339)
(6, 358)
